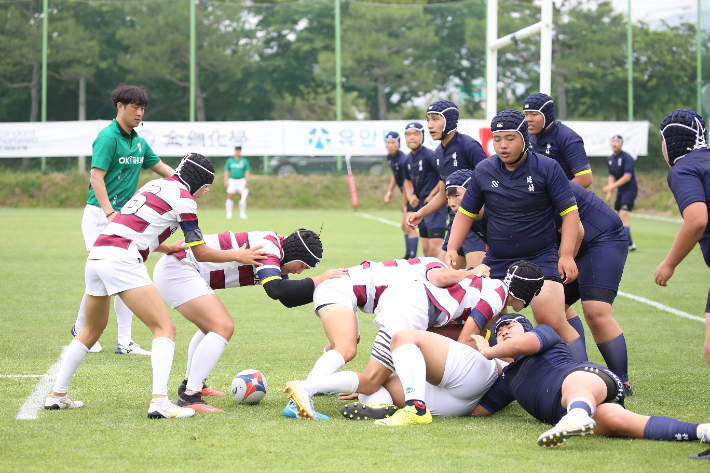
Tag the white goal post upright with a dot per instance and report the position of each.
(493, 44)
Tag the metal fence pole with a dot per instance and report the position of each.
(630, 64)
(699, 48)
(45, 30)
(192, 60)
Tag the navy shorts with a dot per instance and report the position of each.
(601, 265)
(705, 248)
(546, 260)
(625, 200)
(472, 243)
(434, 225)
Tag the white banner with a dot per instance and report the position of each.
(276, 138)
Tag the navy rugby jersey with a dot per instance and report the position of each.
(397, 164)
(421, 170)
(596, 216)
(520, 205)
(565, 146)
(689, 180)
(535, 381)
(619, 165)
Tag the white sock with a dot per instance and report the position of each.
(242, 207)
(196, 339)
(381, 395)
(230, 205)
(411, 368)
(330, 362)
(161, 402)
(341, 382)
(76, 351)
(161, 358)
(244, 196)
(79, 324)
(124, 317)
(204, 360)
(571, 406)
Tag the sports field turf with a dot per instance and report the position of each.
(42, 281)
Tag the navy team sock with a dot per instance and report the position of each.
(628, 235)
(418, 405)
(576, 323)
(406, 246)
(412, 249)
(615, 357)
(578, 350)
(665, 428)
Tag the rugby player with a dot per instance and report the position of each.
(415, 305)
(522, 192)
(456, 151)
(621, 177)
(578, 398)
(188, 286)
(397, 160)
(685, 148)
(116, 266)
(421, 184)
(117, 157)
(236, 180)
(556, 140)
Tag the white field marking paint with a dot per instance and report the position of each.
(660, 219)
(35, 402)
(657, 305)
(21, 375)
(383, 220)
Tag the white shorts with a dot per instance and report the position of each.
(109, 277)
(236, 186)
(403, 306)
(336, 291)
(178, 283)
(93, 223)
(468, 375)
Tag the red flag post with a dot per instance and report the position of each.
(351, 183)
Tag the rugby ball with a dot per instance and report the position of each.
(249, 387)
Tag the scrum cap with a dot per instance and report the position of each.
(539, 102)
(195, 171)
(449, 111)
(304, 246)
(524, 280)
(415, 126)
(517, 318)
(682, 132)
(393, 136)
(512, 120)
(459, 178)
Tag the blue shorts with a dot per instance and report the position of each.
(601, 265)
(625, 200)
(434, 225)
(705, 248)
(546, 260)
(472, 243)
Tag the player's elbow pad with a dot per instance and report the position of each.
(281, 289)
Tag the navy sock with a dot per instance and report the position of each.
(665, 428)
(578, 350)
(413, 244)
(576, 323)
(418, 405)
(406, 245)
(628, 235)
(580, 405)
(615, 357)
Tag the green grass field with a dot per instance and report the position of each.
(42, 281)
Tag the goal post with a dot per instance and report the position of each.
(493, 44)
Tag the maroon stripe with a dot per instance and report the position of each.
(435, 265)
(435, 302)
(188, 217)
(365, 264)
(273, 240)
(225, 241)
(242, 238)
(217, 279)
(360, 294)
(186, 195)
(414, 261)
(156, 203)
(378, 292)
(484, 308)
(501, 292)
(165, 235)
(476, 282)
(113, 240)
(133, 222)
(180, 255)
(464, 315)
(144, 254)
(246, 275)
(457, 292)
(389, 264)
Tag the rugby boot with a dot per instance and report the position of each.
(302, 398)
(291, 411)
(170, 412)
(131, 349)
(575, 423)
(406, 416)
(704, 436)
(53, 403)
(372, 411)
(195, 402)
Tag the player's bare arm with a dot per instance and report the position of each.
(436, 203)
(244, 255)
(459, 230)
(329, 274)
(585, 180)
(390, 188)
(409, 192)
(99, 186)
(431, 195)
(170, 248)
(446, 277)
(163, 169)
(508, 347)
(570, 230)
(247, 174)
(695, 220)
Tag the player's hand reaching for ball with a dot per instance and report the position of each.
(414, 219)
(330, 274)
(567, 269)
(663, 273)
(250, 255)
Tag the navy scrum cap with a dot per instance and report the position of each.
(392, 135)
(459, 178)
(195, 171)
(682, 132)
(449, 111)
(539, 102)
(415, 126)
(517, 318)
(617, 138)
(512, 120)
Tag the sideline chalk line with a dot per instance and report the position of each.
(34, 403)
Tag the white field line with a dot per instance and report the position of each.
(382, 220)
(34, 403)
(657, 305)
(21, 375)
(660, 219)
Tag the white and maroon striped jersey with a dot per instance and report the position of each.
(233, 274)
(485, 295)
(147, 220)
(370, 278)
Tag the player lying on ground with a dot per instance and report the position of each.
(116, 266)
(188, 286)
(685, 149)
(600, 261)
(416, 305)
(522, 192)
(578, 398)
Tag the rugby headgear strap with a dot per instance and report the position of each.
(513, 317)
(459, 178)
(683, 131)
(449, 111)
(308, 250)
(539, 102)
(524, 280)
(512, 120)
(195, 171)
(415, 126)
